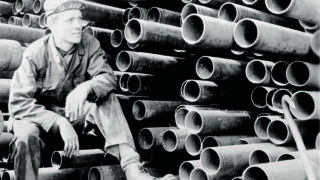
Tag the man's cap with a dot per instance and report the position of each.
(56, 6)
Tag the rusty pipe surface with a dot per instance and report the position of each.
(306, 105)
(88, 157)
(305, 10)
(11, 55)
(14, 20)
(31, 20)
(193, 144)
(283, 170)
(220, 69)
(143, 32)
(312, 154)
(261, 125)
(207, 32)
(234, 13)
(117, 38)
(258, 96)
(303, 74)
(164, 16)
(21, 34)
(251, 140)
(197, 9)
(279, 131)
(225, 140)
(186, 168)
(268, 154)
(151, 137)
(6, 8)
(278, 73)
(217, 3)
(38, 6)
(43, 21)
(113, 172)
(24, 6)
(277, 97)
(259, 71)
(255, 35)
(138, 13)
(218, 121)
(174, 139)
(228, 160)
(315, 43)
(150, 109)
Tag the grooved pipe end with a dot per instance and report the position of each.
(298, 73)
(246, 33)
(194, 122)
(193, 29)
(145, 139)
(133, 31)
(94, 174)
(116, 38)
(193, 144)
(154, 14)
(278, 132)
(56, 159)
(210, 160)
(315, 43)
(124, 61)
(279, 7)
(255, 173)
(304, 105)
(228, 12)
(137, 13)
(139, 110)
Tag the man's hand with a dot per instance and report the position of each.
(75, 102)
(69, 136)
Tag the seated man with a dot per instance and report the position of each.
(63, 84)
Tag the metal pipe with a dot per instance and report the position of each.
(114, 172)
(164, 16)
(255, 35)
(38, 6)
(228, 160)
(174, 139)
(307, 11)
(189, 1)
(225, 140)
(258, 96)
(303, 74)
(43, 21)
(186, 168)
(193, 144)
(201, 174)
(217, 3)
(218, 121)
(14, 9)
(259, 71)
(6, 8)
(90, 157)
(14, 20)
(269, 99)
(181, 112)
(306, 104)
(151, 110)
(251, 140)
(24, 6)
(200, 91)
(151, 137)
(261, 125)
(277, 97)
(207, 32)
(318, 142)
(125, 16)
(256, 4)
(267, 154)
(197, 9)
(140, 83)
(309, 28)
(315, 43)
(11, 55)
(117, 38)
(31, 20)
(283, 170)
(5, 140)
(237, 178)
(21, 34)
(279, 132)
(220, 69)
(278, 73)
(123, 82)
(142, 32)
(312, 154)
(103, 35)
(102, 13)
(138, 13)
(234, 13)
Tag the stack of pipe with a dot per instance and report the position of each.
(200, 83)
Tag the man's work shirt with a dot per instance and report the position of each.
(45, 78)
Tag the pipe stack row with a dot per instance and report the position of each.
(201, 84)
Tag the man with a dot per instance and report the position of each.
(64, 84)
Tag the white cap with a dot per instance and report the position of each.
(56, 6)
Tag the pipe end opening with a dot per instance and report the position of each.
(192, 91)
(154, 14)
(187, 10)
(199, 174)
(228, 12)
(278, 73)
(246, 33)
(132, 31)
(145, 139)
(193, 29)
(169, 140)
(304, 105)
(260, 127)
(193, 122)
(94, 174)
(193, 144)
(134, 84)
(56, 159)
(278, 132)
(254, 173)
(298, 73)
(278, 7)
(256, 72)
(205, 68)
(139, 110)
(258, 97)
(123, 61)
(258, 157)
(185, 170)
(209, 142)
(116, 38)
(210, 160)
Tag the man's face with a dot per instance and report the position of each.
(67, 26)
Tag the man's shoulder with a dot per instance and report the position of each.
(88, 40)
(38, 47)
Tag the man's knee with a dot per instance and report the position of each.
(27, 143)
